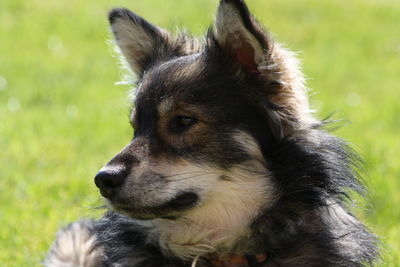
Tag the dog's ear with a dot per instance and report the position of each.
(140, 42)
(240, 35)
(245, 41)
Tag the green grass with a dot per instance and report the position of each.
(62, 117)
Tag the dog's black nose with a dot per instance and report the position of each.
(109, 182)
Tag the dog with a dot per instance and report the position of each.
(228, 165)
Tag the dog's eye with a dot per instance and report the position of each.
(181, 123)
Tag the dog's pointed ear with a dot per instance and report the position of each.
(245, 42)
(139, 41)
(240, 35)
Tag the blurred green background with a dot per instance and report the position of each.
(62, 116)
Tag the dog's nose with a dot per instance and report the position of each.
(109, 182)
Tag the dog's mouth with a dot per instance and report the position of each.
(183, 200)
(172, 209)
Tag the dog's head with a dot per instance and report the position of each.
(205, 115)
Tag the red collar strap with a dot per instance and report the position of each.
(232, 260)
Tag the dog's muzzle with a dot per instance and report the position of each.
(110, 184)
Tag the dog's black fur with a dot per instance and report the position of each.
(311, 171)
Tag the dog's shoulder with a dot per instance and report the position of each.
(114, 240)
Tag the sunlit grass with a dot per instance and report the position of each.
(62, 117)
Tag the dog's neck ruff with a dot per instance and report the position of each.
(233, 260)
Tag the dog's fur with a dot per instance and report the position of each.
(227, 157)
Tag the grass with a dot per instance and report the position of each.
(62, 117)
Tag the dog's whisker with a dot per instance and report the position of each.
(191, 177)
(179, 174)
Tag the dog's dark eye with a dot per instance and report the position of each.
(181, 123)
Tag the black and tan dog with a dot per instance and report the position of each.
(227, 167)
